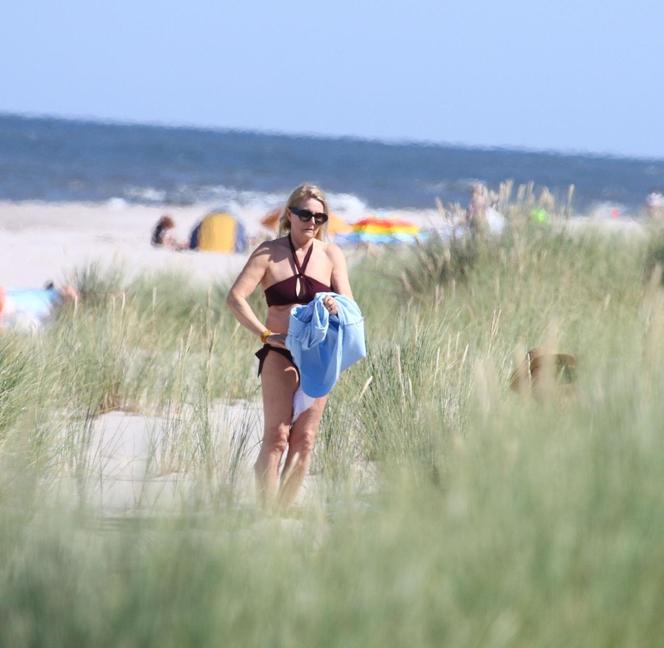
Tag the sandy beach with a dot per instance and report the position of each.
(42, 241)
(47, 241)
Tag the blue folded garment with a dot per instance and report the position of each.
(324, 345)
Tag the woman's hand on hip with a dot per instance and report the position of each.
(331, 304)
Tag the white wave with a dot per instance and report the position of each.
(253, 205)
(448, 186)
(116, 204)
(609, 210)
(234, 200)
(146, 194)
(347, 205)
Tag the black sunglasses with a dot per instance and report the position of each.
(305, 215)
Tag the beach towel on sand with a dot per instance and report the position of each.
(29, 309)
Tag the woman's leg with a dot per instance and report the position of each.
(279, 382)
(300, 446)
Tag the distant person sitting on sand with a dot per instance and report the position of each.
(162, 235)
(477, 205)
(655, 205)
(482, 216)
(30, 309)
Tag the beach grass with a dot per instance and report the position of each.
(450, 510)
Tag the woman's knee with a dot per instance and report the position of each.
(304, 441)
(276, 438)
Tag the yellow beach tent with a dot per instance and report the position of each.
(219, 232)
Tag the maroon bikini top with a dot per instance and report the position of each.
(284, 293)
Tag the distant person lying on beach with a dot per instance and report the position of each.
(30, 309)
(162, 235)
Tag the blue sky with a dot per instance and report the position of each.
(561, 75)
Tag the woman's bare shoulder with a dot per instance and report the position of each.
(269, 249)
(333, 251)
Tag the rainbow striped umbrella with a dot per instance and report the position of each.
(381, 231)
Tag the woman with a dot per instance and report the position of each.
(291, 270)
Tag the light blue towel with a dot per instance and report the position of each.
(37, 303)
(324, 345)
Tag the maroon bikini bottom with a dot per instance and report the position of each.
(261, 354)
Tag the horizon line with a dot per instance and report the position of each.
(385, 141)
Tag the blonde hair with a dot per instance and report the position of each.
(304, 192)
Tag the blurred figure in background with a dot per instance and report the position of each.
(545, 375)
(162, 234)
(30, 309)
(476, 211)
(482, 216)
(655, 205)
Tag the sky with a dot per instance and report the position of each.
(583, 75)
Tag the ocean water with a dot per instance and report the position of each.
(60, 160)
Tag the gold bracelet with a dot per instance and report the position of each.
(265, 335)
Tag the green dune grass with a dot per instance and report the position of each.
(497, 520)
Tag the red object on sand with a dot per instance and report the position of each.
(382, 222)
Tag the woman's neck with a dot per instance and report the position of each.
(300, 244)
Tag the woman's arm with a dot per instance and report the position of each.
(245, 284)
(340, 281)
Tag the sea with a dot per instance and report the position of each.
(65, 160)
